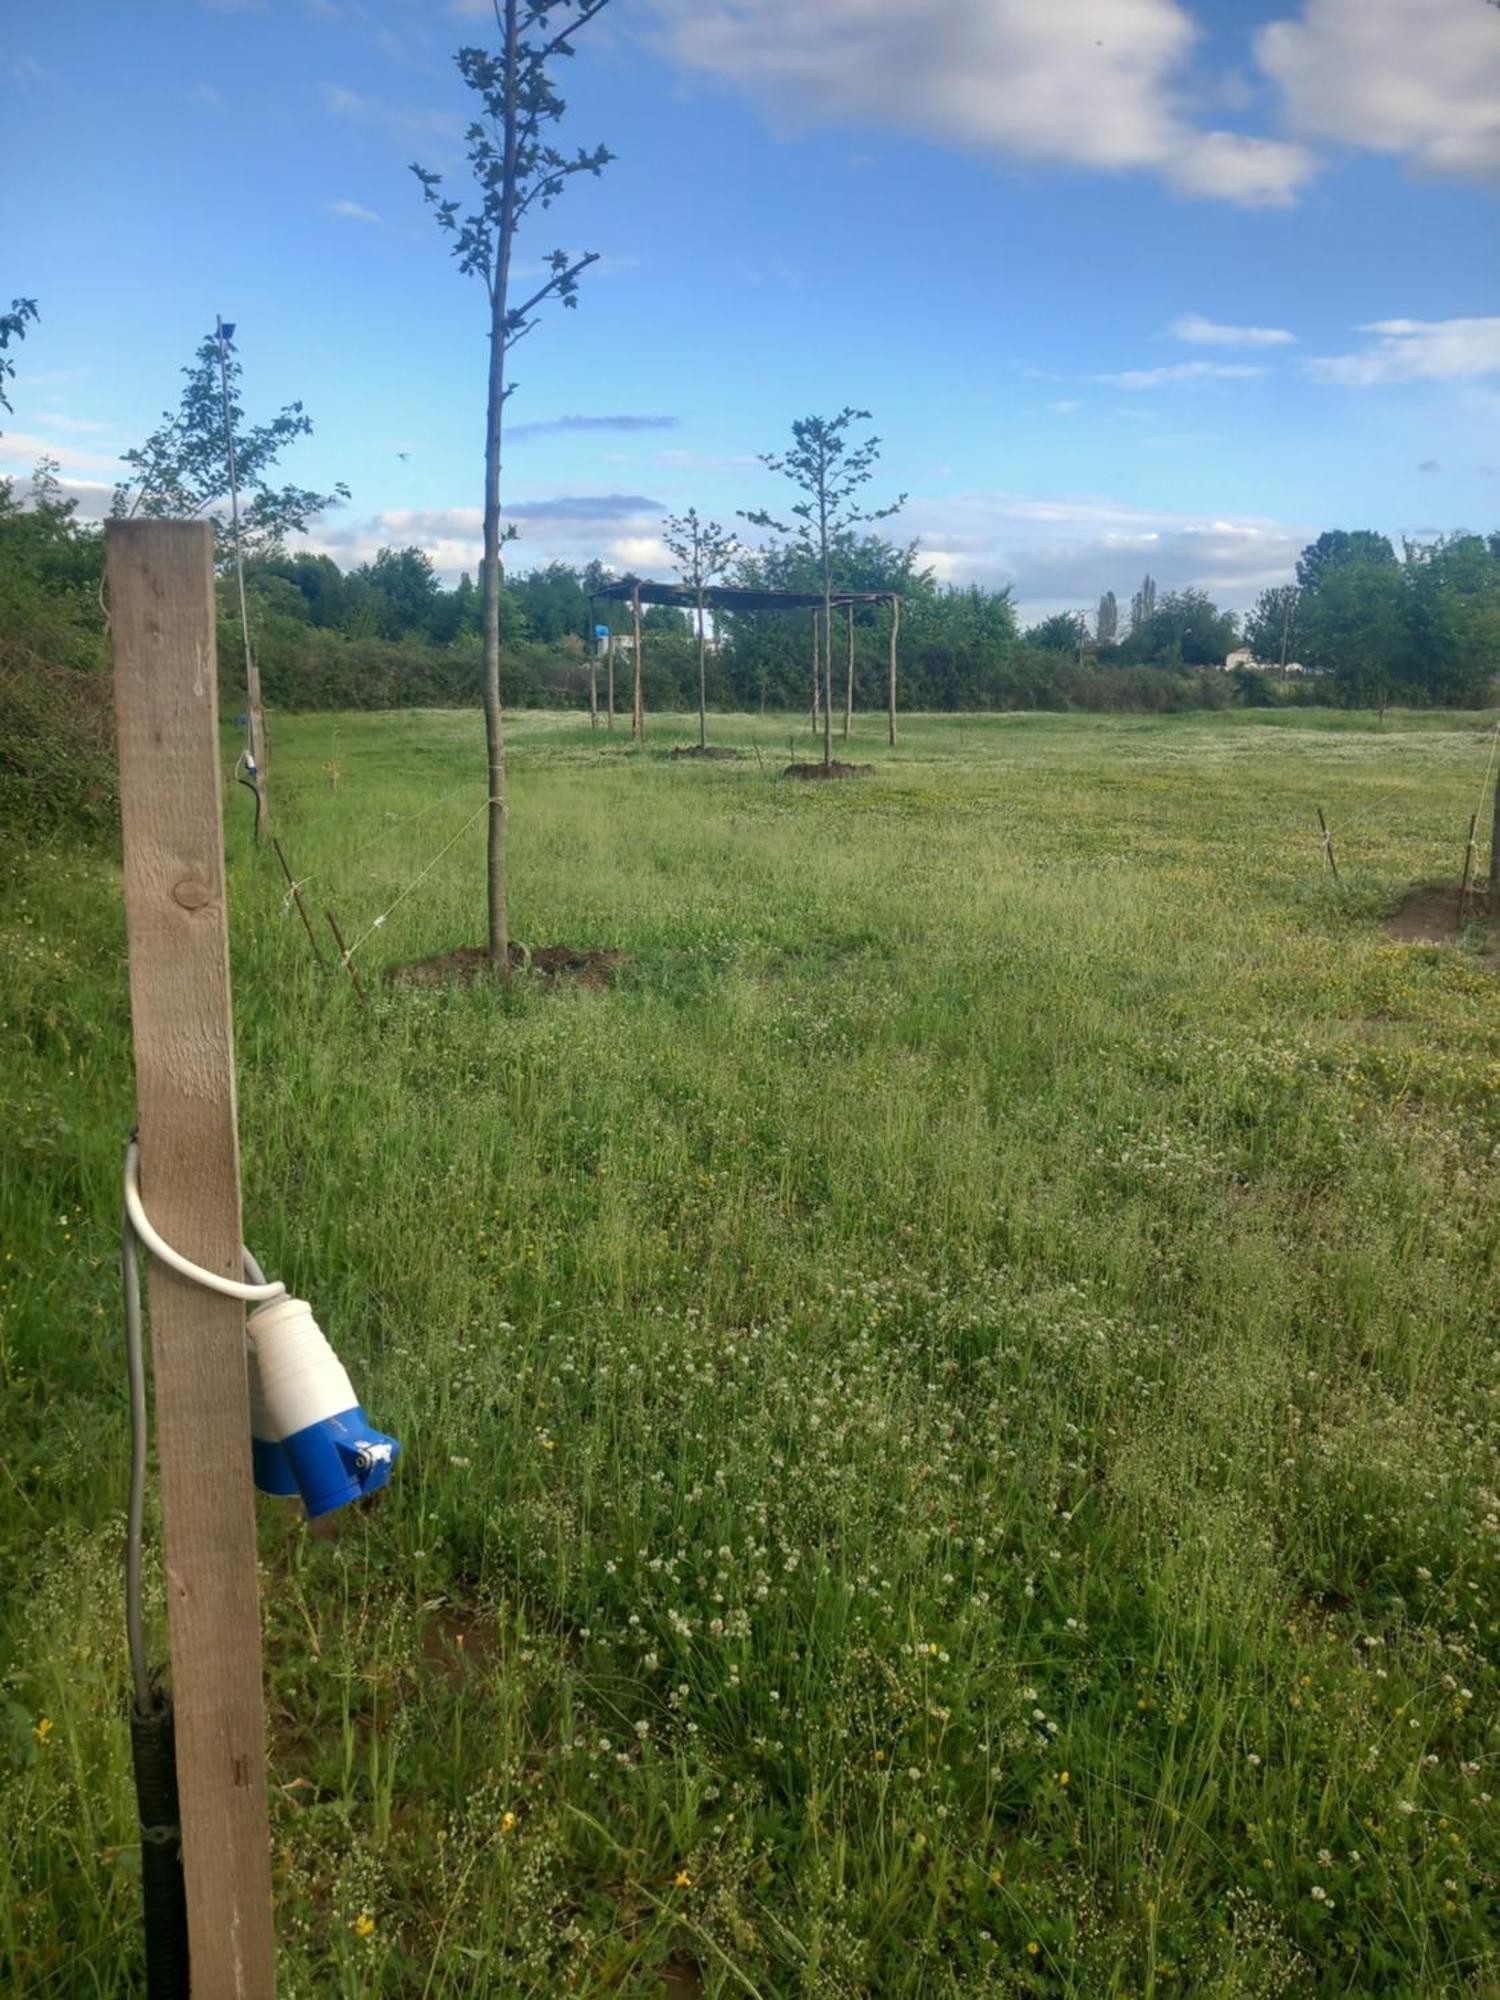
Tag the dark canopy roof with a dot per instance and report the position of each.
(733, 597)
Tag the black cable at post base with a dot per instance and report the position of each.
(152, 1737)
(163, 1892)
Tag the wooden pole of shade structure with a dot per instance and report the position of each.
(891, 690)
(638, 714)
(593, 682)
(161, 591)
(849, 679)
(609, 673)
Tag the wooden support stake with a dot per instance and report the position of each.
(338, 938)
(891, 692)
(849, 679)
(1468, 875)
(1328, 844)
(294, 890)
(161, 591)
(609, 662)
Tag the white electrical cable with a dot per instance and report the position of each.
(231, 1288)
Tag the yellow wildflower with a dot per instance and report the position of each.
(363, 1925)
(682, 1879)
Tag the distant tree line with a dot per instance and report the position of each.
(1370, 625)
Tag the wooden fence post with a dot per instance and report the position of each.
(161, 593)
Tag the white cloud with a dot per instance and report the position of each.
(1094, 83)
(402, 123)
(21, 448)
(1183, 371)
(1417, 350)
(569, 527)
(1061, 553)
(1194, 328)
(55, 420)
(1418, 80)
(353, 211)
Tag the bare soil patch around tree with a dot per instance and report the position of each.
(1430, 914)
(833, 770)
(553, 964)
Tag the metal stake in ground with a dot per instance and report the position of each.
(338, 938)
(161, 592)
(1328, 844)
(294, 890)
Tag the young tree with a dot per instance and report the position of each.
(1271, 630)
(702, 551)
(13, 327)
(516, 170)
(829, 471)
(1107, 626)
(204, 455)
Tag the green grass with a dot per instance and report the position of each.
(950, 1417)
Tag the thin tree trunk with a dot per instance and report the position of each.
(817, 700)
(252, 671)
(638, 718)
(494, 719)
(891, 690)
(849, 680)
(702, 678)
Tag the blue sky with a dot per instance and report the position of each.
(1126, 283)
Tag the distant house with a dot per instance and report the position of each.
(1243, 656)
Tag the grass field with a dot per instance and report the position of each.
(950, 1416)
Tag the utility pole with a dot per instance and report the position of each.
(252, 671)
(161, 595)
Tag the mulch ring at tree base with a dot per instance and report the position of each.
(833, 770)
(1429, 914)
(551, 963)
(714, 750)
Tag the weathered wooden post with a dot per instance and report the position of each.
(891, 691)
(849, 679)
(609, 669)
(166, 706)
